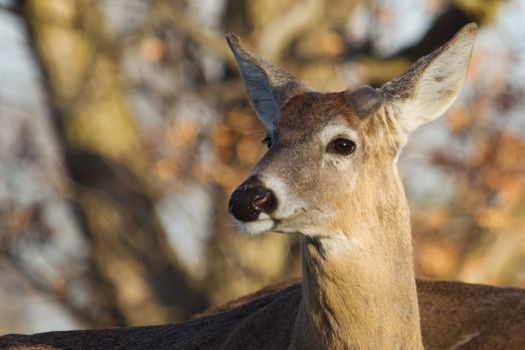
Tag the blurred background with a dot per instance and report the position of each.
(124, 127)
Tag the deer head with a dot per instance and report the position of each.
(330, 164)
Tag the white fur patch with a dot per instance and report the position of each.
(287, 204)
(263, 224)
(336, 130)
(340, 243)
(257, 227)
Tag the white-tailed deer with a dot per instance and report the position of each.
(330, 176)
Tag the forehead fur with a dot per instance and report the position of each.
(307, 113)
(312, 110)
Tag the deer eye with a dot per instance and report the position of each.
(268, 141)
(341, 146)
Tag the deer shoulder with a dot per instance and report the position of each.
(454, 315)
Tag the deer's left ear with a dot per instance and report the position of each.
(430, 86)
(268, 87)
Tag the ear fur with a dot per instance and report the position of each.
(432, 84)
(268, 87)
(365, 100)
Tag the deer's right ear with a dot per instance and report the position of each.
(268, 87)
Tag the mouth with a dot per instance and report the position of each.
(266, 223)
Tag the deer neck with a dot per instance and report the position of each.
(358, 286)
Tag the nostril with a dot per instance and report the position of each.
(266, 202)
(261, 201)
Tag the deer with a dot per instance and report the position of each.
(330, 176)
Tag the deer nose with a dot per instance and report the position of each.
(250, 199)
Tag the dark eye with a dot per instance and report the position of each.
(341, 146)
(268, 141)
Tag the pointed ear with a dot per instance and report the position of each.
(268, 87)
(430, 86)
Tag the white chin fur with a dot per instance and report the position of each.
(257, 227)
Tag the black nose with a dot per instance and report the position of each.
(250, 199)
